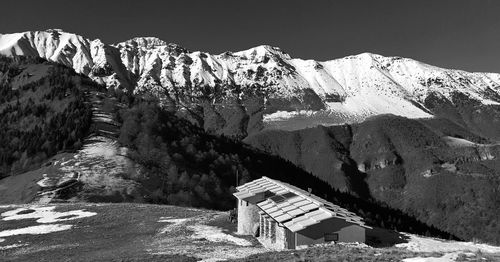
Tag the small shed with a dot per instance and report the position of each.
(284, 216)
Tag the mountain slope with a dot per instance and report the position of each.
(162, 158)
(264, 86)
(43, 109)
(141, 232)
(434, 169)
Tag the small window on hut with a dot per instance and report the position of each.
(329, 237)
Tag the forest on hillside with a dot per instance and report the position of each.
(40, 115)
(408, 164)
(187, 166)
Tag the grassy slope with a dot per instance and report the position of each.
(119, 232)
(140, 232)
(347, 253)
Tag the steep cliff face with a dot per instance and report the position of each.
(263, 87)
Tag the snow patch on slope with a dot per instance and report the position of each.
(426, 244)
(215, 234)
(458, 142)
(35, 230)
(45, 214)
(449, 257)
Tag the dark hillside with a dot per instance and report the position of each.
(431, 169)
(43, 110)
(187, 166)
(468, 112)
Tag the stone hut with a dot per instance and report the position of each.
(284, 216)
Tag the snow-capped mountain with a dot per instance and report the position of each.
(348, 89)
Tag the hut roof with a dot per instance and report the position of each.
(293, 207)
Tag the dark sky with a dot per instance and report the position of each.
(448, 33)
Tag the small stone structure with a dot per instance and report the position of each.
(284, 216)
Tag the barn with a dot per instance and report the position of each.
(284, 216)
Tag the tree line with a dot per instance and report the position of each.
(42, 117)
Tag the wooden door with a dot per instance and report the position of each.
(289, 239)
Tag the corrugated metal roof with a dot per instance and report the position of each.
(295, 208)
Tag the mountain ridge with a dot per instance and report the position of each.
(269, 86)
(164, 42)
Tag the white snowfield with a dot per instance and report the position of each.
(45, 215)
(353, 87)
(35, 230)
(215, 234)
(426, 244)
(215, 243)
(98, 164)
(201, 231)
(451, 249)
(449, 257)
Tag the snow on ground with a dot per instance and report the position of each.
(101, 147)
(35, 230)
(101, 165)
(45, 214)
(458, 142)
(354, 109)
(295, 120)
(215, 234)
(12, 246)
(426, 244)
(45, 182)
(284, 115)
(99, 116)
(449, 257)
(194, 236)
(210, 233)
(174, 222)
(371, 104)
